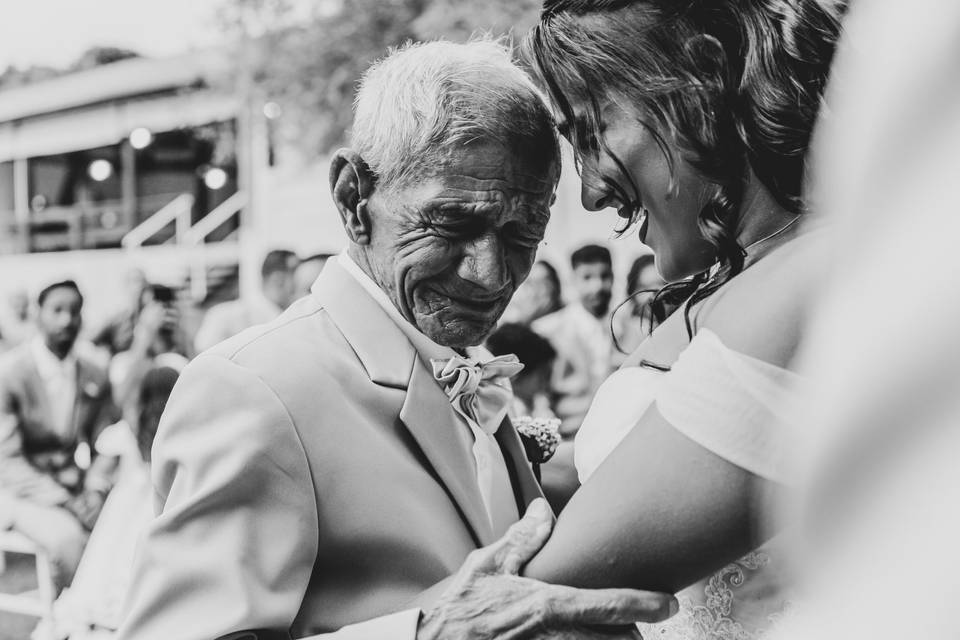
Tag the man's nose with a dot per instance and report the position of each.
(484, 264)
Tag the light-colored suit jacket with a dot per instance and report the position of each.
(309, 474)
(36, 462)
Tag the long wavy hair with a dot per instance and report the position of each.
(735, 85)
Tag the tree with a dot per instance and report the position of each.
(308, 56)
(13, 77)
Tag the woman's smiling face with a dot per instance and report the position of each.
(627, 153)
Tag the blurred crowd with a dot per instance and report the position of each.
(81, 398)
(80, 402)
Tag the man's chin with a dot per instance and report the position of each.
(458, 333)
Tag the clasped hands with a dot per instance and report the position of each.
(487, 598)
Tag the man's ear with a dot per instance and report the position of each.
(351, 184)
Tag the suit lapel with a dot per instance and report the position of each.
(525, 485)
(428, 415)
(383, 350)
(390, 360)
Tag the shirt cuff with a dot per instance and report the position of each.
(396, 626)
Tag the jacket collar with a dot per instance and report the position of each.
(383, 350)
(390, 359)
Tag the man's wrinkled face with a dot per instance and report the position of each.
(451, 249)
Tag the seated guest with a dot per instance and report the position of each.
(16, 325)
(531, 387)
(539, 295)
(531, 397)
(636, 318)
(277, 291)
(580, 332)
(53, 404)
(158, 339)
(92, 605)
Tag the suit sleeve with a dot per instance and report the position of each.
(17, 476)
(235, 539)
(396, 626)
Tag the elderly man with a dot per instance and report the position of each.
(318, 473)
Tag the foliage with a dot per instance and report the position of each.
(307, 56)
(93, 57)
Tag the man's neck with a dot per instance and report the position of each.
(593, 313)
(59, 352)
(360, 259)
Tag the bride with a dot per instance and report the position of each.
(693, 119)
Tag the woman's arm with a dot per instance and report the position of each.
(663, 511)
(660, 513)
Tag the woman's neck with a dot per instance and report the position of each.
(764, 224)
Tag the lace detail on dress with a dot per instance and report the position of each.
(719, 608)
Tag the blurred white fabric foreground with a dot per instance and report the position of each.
(882, 510)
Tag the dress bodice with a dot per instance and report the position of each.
(617, 406)
(743, 599)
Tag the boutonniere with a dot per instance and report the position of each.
(540, 437)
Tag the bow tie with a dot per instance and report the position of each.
(478, 391)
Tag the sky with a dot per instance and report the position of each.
(56, 32)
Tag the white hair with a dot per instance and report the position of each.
(424, 98)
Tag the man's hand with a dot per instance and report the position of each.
(487, 599)
(153, 318)
(86, 507)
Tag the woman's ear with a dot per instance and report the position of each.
(351, 184)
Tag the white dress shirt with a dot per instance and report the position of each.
(493, 478)
(59, 378)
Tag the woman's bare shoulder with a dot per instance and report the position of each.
(762, 312)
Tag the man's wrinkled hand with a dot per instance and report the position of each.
(487, 598)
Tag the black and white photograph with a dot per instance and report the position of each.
(479, 320)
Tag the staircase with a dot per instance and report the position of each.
(223, 283)
(206, 281)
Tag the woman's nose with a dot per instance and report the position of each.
(593, 197)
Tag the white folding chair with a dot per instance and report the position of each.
(38, 602)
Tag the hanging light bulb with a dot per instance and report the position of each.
(140, 138)
(215, 178)
(100, 170)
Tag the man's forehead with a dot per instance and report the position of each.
(515, 183)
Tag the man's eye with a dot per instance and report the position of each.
(521, 236)
(458, 228)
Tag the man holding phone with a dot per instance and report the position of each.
(158, 340)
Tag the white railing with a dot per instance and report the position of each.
(177, 210)
(197, 234)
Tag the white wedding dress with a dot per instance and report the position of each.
(737, 407)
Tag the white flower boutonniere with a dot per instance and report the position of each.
(540, 436)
